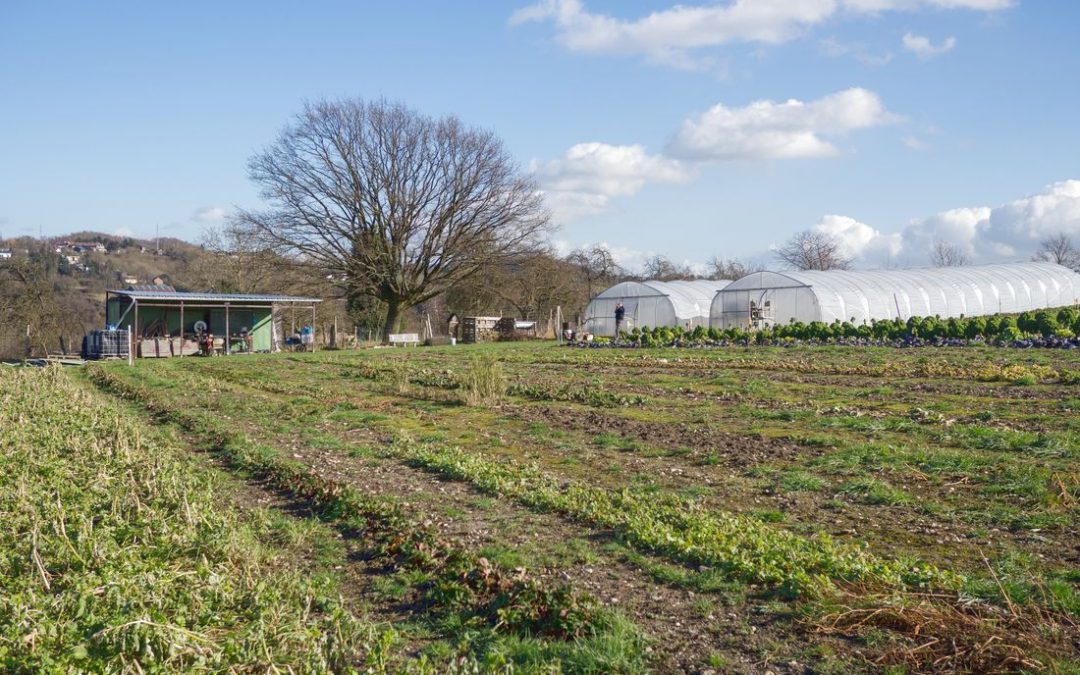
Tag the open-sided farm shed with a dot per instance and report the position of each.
(247, 320)
(652, 303)
(763, 299)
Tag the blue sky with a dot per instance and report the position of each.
(710, 129)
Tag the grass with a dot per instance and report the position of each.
(120, 554)
(507, 609)
(484, 382)
(732, 467)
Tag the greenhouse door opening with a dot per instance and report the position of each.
(761, 312)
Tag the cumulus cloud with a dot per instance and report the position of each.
(1010, 231)
(924, 49)
(609, 169)
(584, 179)
(210, 214)
(668, 36)
(859, 240)
(771, 130)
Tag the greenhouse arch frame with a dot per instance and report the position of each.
(652, 304)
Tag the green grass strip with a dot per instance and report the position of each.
(118, 553)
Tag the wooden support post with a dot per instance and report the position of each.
(136, 340)
(181, 329)
(227, 340)
(313, 328)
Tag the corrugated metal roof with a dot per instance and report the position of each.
(210, 297)
(153, 288)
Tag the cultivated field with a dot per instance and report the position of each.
(821, 509)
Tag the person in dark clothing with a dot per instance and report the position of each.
(620, 314)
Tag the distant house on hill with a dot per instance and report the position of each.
(5, 253)
(129, 279)
(88, 247)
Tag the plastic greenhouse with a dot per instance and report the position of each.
(652, 304)
(766, 298)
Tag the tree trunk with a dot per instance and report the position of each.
(393, 315)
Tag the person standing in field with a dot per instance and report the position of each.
(620, 314)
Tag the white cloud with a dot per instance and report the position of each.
(123, 232)
(924, 49)
(210, 214)
(875, 6)
(1010, 231)
(915, 143)
(583, 180)
(770, 130)
(832, 47)
(666, 36)
(679, 28)
(859, 240)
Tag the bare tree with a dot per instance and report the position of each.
(29, 311)
(813, 250)
(237, 263)
(722, 268)
(597, 266)
(661, 268)
(944, 254)
(1058, 248)
(390, 203)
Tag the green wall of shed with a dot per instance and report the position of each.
(257, 321)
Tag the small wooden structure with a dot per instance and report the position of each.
(479, 328)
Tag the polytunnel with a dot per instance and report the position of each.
(652, 304)
(763, 299)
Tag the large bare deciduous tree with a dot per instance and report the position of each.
(391, 203)
(1058, 248)
(944, 254)
(597, 265)
(813, 250)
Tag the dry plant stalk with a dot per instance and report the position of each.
(943, 633)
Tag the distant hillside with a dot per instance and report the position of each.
(57, 286)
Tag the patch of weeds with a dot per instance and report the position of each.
(711, 458)
(875, 491)
(794, 480)
(767, 515)
(503, 556)
(484, 383)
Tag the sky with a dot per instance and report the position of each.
(689, 130)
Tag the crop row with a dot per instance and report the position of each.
(741, 547)
(1062, 324)
(401, 375)
(459, 581)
